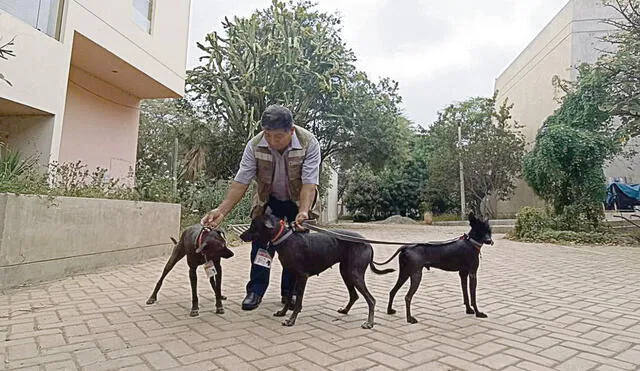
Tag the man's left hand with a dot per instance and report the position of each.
(301, 217)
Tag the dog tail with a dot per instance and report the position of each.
(174, 240)
(378, 271)
(392, 256)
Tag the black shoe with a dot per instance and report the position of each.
(251, 301)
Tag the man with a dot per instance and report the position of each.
(285, 161)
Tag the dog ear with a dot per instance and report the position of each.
(472, 217)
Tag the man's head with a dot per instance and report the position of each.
(277, 124)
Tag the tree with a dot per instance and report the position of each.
(491, 159)
(292, 54)
(622, 66)
(399, 187)
(565, 167)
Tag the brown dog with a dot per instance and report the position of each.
(201, 245)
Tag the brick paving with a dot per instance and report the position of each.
(549, 307)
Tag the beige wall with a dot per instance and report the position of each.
(102, 130)
(31, 135)
(101, 39)
(571, 38)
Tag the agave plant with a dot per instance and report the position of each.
(12, 164)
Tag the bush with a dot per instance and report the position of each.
(530, 222)
(25, 176)
(577, 224)
(197, 198)
(361, 218)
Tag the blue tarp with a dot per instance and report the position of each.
(625, 196)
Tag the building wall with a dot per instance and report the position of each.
(100, 42)
(102, 130)
(571, 38)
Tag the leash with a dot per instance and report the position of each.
(346, 237)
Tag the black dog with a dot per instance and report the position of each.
(200, 245)
(307, 254)
(461, 255)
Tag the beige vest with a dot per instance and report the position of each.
(265, 169)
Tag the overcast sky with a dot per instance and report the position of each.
(439, 51)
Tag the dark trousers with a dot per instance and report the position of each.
(259, 277)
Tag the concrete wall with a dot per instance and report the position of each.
(43, 239)
(572, 37)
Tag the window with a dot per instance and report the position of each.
(44, 15)
(143, 13)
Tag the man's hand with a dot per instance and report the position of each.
(213, 218)
(301, 217)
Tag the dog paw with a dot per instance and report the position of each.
(280, 313)
(343, 311)
(412, 320)
(194, 313)
(391, 311)
(470, 311)
(220, 310)
(367, 325)
(289, 322)
(481, 315)
(151, 301)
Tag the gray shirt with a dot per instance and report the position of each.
(280, 183)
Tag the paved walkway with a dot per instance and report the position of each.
(549, 307)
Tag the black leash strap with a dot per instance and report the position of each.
(346, 237)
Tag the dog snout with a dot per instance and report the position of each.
(246, 236)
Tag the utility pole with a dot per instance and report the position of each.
(174, 170)
(463, 211)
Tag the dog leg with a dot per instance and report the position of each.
(402, 278)
(301, 283)
(217, 289)
(465, 294)
(288, 304)
(473, 282)
(353, 295)
(371, 302)
(415, 282)
(177, 254)
(193, 278)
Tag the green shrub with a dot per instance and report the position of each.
(361, 218)
(446, 218)
(530, 222)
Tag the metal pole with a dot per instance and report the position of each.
(174, 170)
(463, 211)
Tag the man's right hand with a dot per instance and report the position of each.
(212, 219)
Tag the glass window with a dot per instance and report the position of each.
(43, 15)
(143, 13)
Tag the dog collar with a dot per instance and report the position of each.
(199, 246)
(279, 237)
(475, 243)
